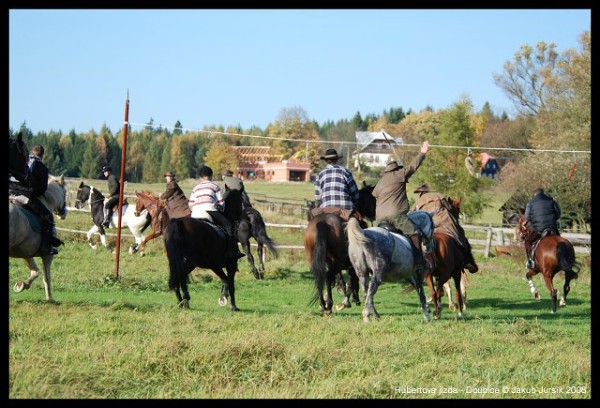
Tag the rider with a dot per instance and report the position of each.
(335, 189)
(207, 197)
(29, 191)
(392, 201)
(438, 205)
(235, 183)
(176, 202)
(113, 194)
(542, 212)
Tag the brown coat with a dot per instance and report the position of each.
(390, 190)
(443, 221)
(176, 201)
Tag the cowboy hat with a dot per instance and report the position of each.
(170, 174)
(423, 188)
(331, 154)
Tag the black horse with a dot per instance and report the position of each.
(18, 155)
(192, 242)
(252, 225)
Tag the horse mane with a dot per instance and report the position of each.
(55, 193)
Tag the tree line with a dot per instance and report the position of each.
(550, 91)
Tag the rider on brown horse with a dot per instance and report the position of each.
(437, 204)
(336, 191)
(541, 215)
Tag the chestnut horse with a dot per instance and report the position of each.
(145, 200)
(448, 261)
(327, 248)
(552, 255)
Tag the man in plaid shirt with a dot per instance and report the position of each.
(335, 185)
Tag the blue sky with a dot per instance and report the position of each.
(72, 69)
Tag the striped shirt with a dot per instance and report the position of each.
(335, 187)
(206, 196)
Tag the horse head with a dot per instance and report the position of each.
(454, 206)
(366, 202)
(83, 194)
(56, 196)
(18, 155)
(524, 228)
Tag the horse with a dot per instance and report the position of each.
(448, 261)
(24, 233)
(388, 256)
(327, 249)
(552, 255)
(18, 155)
(192, 242)
(145, 200)
(95, 199)
(252, 225)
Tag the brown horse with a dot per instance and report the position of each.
(552, 255)
(326, 246)
(448, 260)
(145, 200)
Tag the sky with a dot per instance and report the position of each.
(73, 69)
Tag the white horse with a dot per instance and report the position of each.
(388, 256)
(24, 233)
(95, 199)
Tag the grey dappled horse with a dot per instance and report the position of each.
(387, 256)
(24, 233)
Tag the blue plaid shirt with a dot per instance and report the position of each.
(335, 187)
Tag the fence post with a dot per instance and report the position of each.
(488, 243)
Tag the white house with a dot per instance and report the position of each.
(373, 148)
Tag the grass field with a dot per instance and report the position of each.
(104, 338)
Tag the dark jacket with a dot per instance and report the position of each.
(36, 183)
(543, 212)
(176, 201)
(113, 186)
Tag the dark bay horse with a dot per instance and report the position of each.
(95, 199)
(252, 225)
(552, 255)
(18, 155)
(24, 237)
(378, 254)
(192, 242)
(326, 246)
(145, 200)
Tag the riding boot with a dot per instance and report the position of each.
(107, 219)
(234, 251)
(54, 240)
(420, 262)
(530, 262)
(470, 264)
(46, 247)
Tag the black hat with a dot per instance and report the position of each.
(331, 154)
(106, 168)
(205, 171)
(170, 174)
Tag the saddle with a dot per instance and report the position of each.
(35, 220)
(343, 213)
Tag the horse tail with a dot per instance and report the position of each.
(261, 234)
(566, 259)
(174, 244)
(356, 241)
(319, 260)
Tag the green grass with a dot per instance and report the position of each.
(126, 338)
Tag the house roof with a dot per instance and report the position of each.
(364, 139)
(254, 154)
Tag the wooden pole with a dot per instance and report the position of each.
(121, 179)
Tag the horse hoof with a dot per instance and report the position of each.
(427, 317)
(537, 296)
(19, 287)
(452, 307)
(563, 302)
(184, 304)
(222, 301)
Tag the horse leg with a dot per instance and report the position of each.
(184, 302)
(463, 288)
(424, 307)
(90, 240)
(369, 308)
(20, 286)
(458, 287)
(340, 283)
(327, 300)
(142, 246)
(250, 257)
(448, 292)
(47, 261)
(567, 287)
(553, 292)
(437, 299)
(261, 258)
(529, 276)
(353, 289)
(139, 238)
